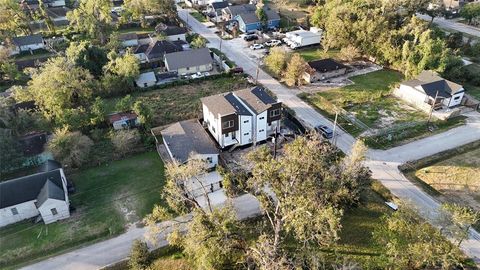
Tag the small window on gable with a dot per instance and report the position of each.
(246, 121)
(54, 211)
(14, 211)
(228, 124)
(275, 112)
(261, 118)
(456, 98)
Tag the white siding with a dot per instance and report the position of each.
(26, 48)
(455, 100)
(412, 96)
(261, 127)
(25, 210)
(177, 37)
(246, 130)
(191, 70)
(61, 207)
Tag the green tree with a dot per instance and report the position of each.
(470, 12)
(87, 56)
(125, 141)
(61, 90)
(262, 16)
(46, 17)
(295, 69)
(276, 61)
(126, 66)
(139, 256)
(144, 113)
(8, 69)
(112, 85)
(93, 18)
(214, 240)
(13, 20)
(70, 148)
(138, 9)
(97, 111)
(463, 218)
(411, 243)
(198, 42)
(124, 104)
(349, 53)
(11, 154)
(310, 191)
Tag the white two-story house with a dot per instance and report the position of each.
(240, 118)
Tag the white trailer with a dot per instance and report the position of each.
(302, 38)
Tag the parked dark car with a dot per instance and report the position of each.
(250, 37)
(325, 131)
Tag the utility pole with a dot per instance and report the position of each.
(431, 109)
(334, 129)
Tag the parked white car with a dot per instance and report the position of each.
(256, 46)
(197, 75)
(273, 43)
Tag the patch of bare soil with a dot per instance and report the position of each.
(126, 206)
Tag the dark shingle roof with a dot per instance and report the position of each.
(235, 10)
(219, 5)
(27, 188)
(256, 99)
(186, 138)
(249, 18)
(325, 65)
(50, 191)
(224, 104)
(430, 83)
(128, 36)
(190, 58)
(173, 30)
(28, 40)
(161, 47)
(57, 12)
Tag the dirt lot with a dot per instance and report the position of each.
(457, 178)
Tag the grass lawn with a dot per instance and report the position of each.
(317, 53)
(451, 176)
(472, 89)
(197, 15)
(182, 102)
(368, 105)
(108, 198)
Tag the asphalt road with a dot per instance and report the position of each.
(452, 25)
(384, 166)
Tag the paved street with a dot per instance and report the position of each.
(452, 25)
(117, 249)
(384, 165)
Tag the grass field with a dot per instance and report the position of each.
(197, 15)
(369, 100)
(108, 198)
(472, 89)
(181, 102)
(317, 53)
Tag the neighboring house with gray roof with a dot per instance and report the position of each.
(427, 86)
(43, 194)
(189, 62)
(242, 117)
(188, 139)
(28, 43)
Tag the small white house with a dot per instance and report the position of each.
(146, 79)
(172, 33)
(189, 62)
(242, 117)
(28, 43)
(323, 69)
(123, 120)
(422, 91)
(188, 140)
(42, 194)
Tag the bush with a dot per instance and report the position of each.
(70, 148)
(125, 141)
(139, 256)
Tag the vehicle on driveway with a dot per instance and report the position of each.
(250, 37)
(325, 131)
(197, 75)
(256, 46)
(273, 43)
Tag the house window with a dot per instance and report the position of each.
(246, 134)
(233, 135)
(246, 121)
(54, 211)
(261, 118)
(275, 112)
(213, 128)
(188, 68)
(261, 130)
(228, 124)
(456, 98)
(14, 211)
(209, 159)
